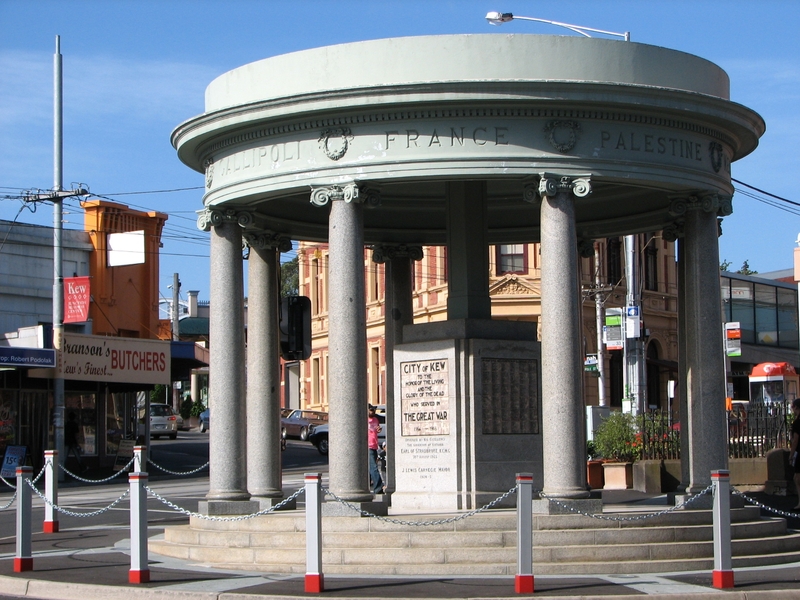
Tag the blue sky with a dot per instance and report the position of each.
(134, 70)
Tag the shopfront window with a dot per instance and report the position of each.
(85, 408)
(8, 420)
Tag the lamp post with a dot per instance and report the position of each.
(498, 18)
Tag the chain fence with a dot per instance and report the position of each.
(35, 479)
(71, 513)
(189, 513)
(10, 502)
(782, 513)
(115, 475)
(472, 513)
(642, 517)
(192, 472)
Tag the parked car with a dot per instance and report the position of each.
(298, 422)
(205, 419)
(163, 421)
(319, 435)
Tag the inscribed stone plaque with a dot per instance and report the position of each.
(510, 396)
(424, 397)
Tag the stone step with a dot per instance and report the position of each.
(474, 539)
(483, 544)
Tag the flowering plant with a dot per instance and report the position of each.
(618, 439)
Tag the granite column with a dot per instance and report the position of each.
(705, 359)
(347, 357)
(227, 444)
(263, 367)
(563, 425)
(399, 312)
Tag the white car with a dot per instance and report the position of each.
(163, 421)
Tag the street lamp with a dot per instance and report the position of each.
(498, 18)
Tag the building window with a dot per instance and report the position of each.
(512, 258)
(614, 260)
(650, 264)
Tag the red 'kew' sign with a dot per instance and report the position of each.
(76, 299)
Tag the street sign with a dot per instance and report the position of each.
(733, 339)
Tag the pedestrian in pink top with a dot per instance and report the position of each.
(373, 429)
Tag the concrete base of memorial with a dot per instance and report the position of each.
(467, 413)
(227, 507)
(379, 507)
(564, 506)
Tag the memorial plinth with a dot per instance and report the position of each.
(467, 413)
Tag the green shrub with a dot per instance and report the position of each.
(617, 438)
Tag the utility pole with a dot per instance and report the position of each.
(599, 322)
(56, 196)
(634, 349)
(176, 288)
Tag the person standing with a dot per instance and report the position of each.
(71, 430)
(795, 446)
(373, 429)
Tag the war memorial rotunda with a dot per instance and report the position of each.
(461, 141)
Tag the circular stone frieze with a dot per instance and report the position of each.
(404, 116)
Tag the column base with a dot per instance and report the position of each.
(50, 527)
(523, 584)
(722, 580)
(139, 576)
(23, 564)
(314, 583)
(265, 503)
(590, 506)
(228, 507)
(337, 509)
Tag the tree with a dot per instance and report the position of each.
(725, 265)
(746, 270)
(290, 278)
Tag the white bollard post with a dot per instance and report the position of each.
(23, 560)
(50, 524)
(523, 582)
(139, 572)
(722, 577)
(139, 459)
(314, 583)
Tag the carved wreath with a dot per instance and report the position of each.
(715, 154)
(572, 129)
(334, 142)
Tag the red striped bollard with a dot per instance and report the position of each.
(23, 560)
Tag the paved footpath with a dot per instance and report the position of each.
(87, 560)
(92, 562)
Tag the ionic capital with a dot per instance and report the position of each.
(586, 247)
(350, 192)
(719, 204)
(550, 185)
(263, 240)
(382, 253)
(213, 217)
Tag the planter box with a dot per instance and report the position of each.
(594, 474)
(618, 476)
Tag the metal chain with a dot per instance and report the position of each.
(782, 513)
(10, 502)
(77, 514)
(197, 470)
(365, 513)
(37, 478)
(189, 513)
(602, 517)
(79, 478)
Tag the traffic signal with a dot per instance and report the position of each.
(295, 328)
